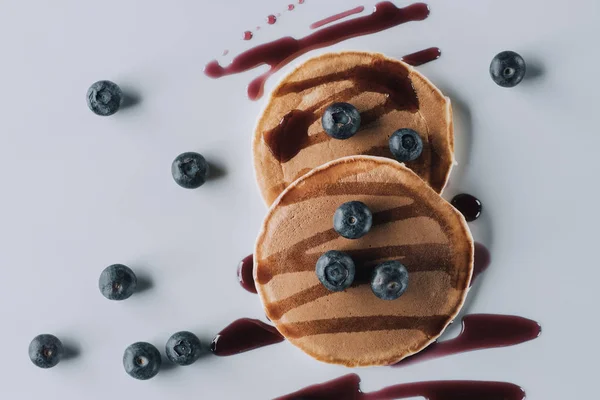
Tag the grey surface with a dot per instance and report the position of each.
(80, 192)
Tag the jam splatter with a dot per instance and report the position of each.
(469, 206)
(280, 52)
(336, 17)
(422, 57)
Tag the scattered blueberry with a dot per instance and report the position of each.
(183, 348)
(406, 145)
(189, 170)
(352, 220)
(45, 351)
(117, 282)
(507, 69)
(104, 98)
(335, 270)
(389, 280)
(341, 120)
(142, 360)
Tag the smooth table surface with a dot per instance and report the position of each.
(80, 192)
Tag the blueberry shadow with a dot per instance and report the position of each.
(216, 171)
(167, 365)
(71, 349)
(144, 282)
(131, 98)
(535, 70)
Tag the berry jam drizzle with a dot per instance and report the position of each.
(244, 335)
(244, 274)
(280, 52)
(469, 206)
(423, 56)
(348, 388)
(482, 260)
(246, 278)
(271, 19)
(336, 17)
(480, 331)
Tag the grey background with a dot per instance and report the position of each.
(80, 192)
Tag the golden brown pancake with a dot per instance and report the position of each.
(411, 223)
(290, 141)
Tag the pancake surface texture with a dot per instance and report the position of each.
(389, 94)
(411, 223)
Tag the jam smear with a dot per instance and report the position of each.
(271, 19)
(469, 206)
(480, 331)
(290, 136)
(336, 17)
(244, 335)
(348, 388)
(247, 35)
(244, 274)
(422, 57)
(280, 52)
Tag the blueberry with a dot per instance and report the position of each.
(189, 170)
(508, 69)
(104, 98)
(117, 282)
(406, 145)
(45, 351)
(142, 361)
(341, 120)
(335, 270)
(389, 280)
(183, 348)
(352, 220)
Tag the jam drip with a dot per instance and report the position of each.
(244, 274)
(348, 388)
(244, 335)
(480, 331)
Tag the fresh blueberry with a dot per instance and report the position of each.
(104, 98)
(406, 145)
(142, 360)
(45, 351)
(117, 282)
(189, 170)
(183, 348)
(341, 120)
(507, 69)
(352, 220)
(335, 270)
(389, 280)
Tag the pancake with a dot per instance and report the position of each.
(411, 223)
(290, 141)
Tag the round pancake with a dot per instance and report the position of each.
(290, 141)
(411, 223)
